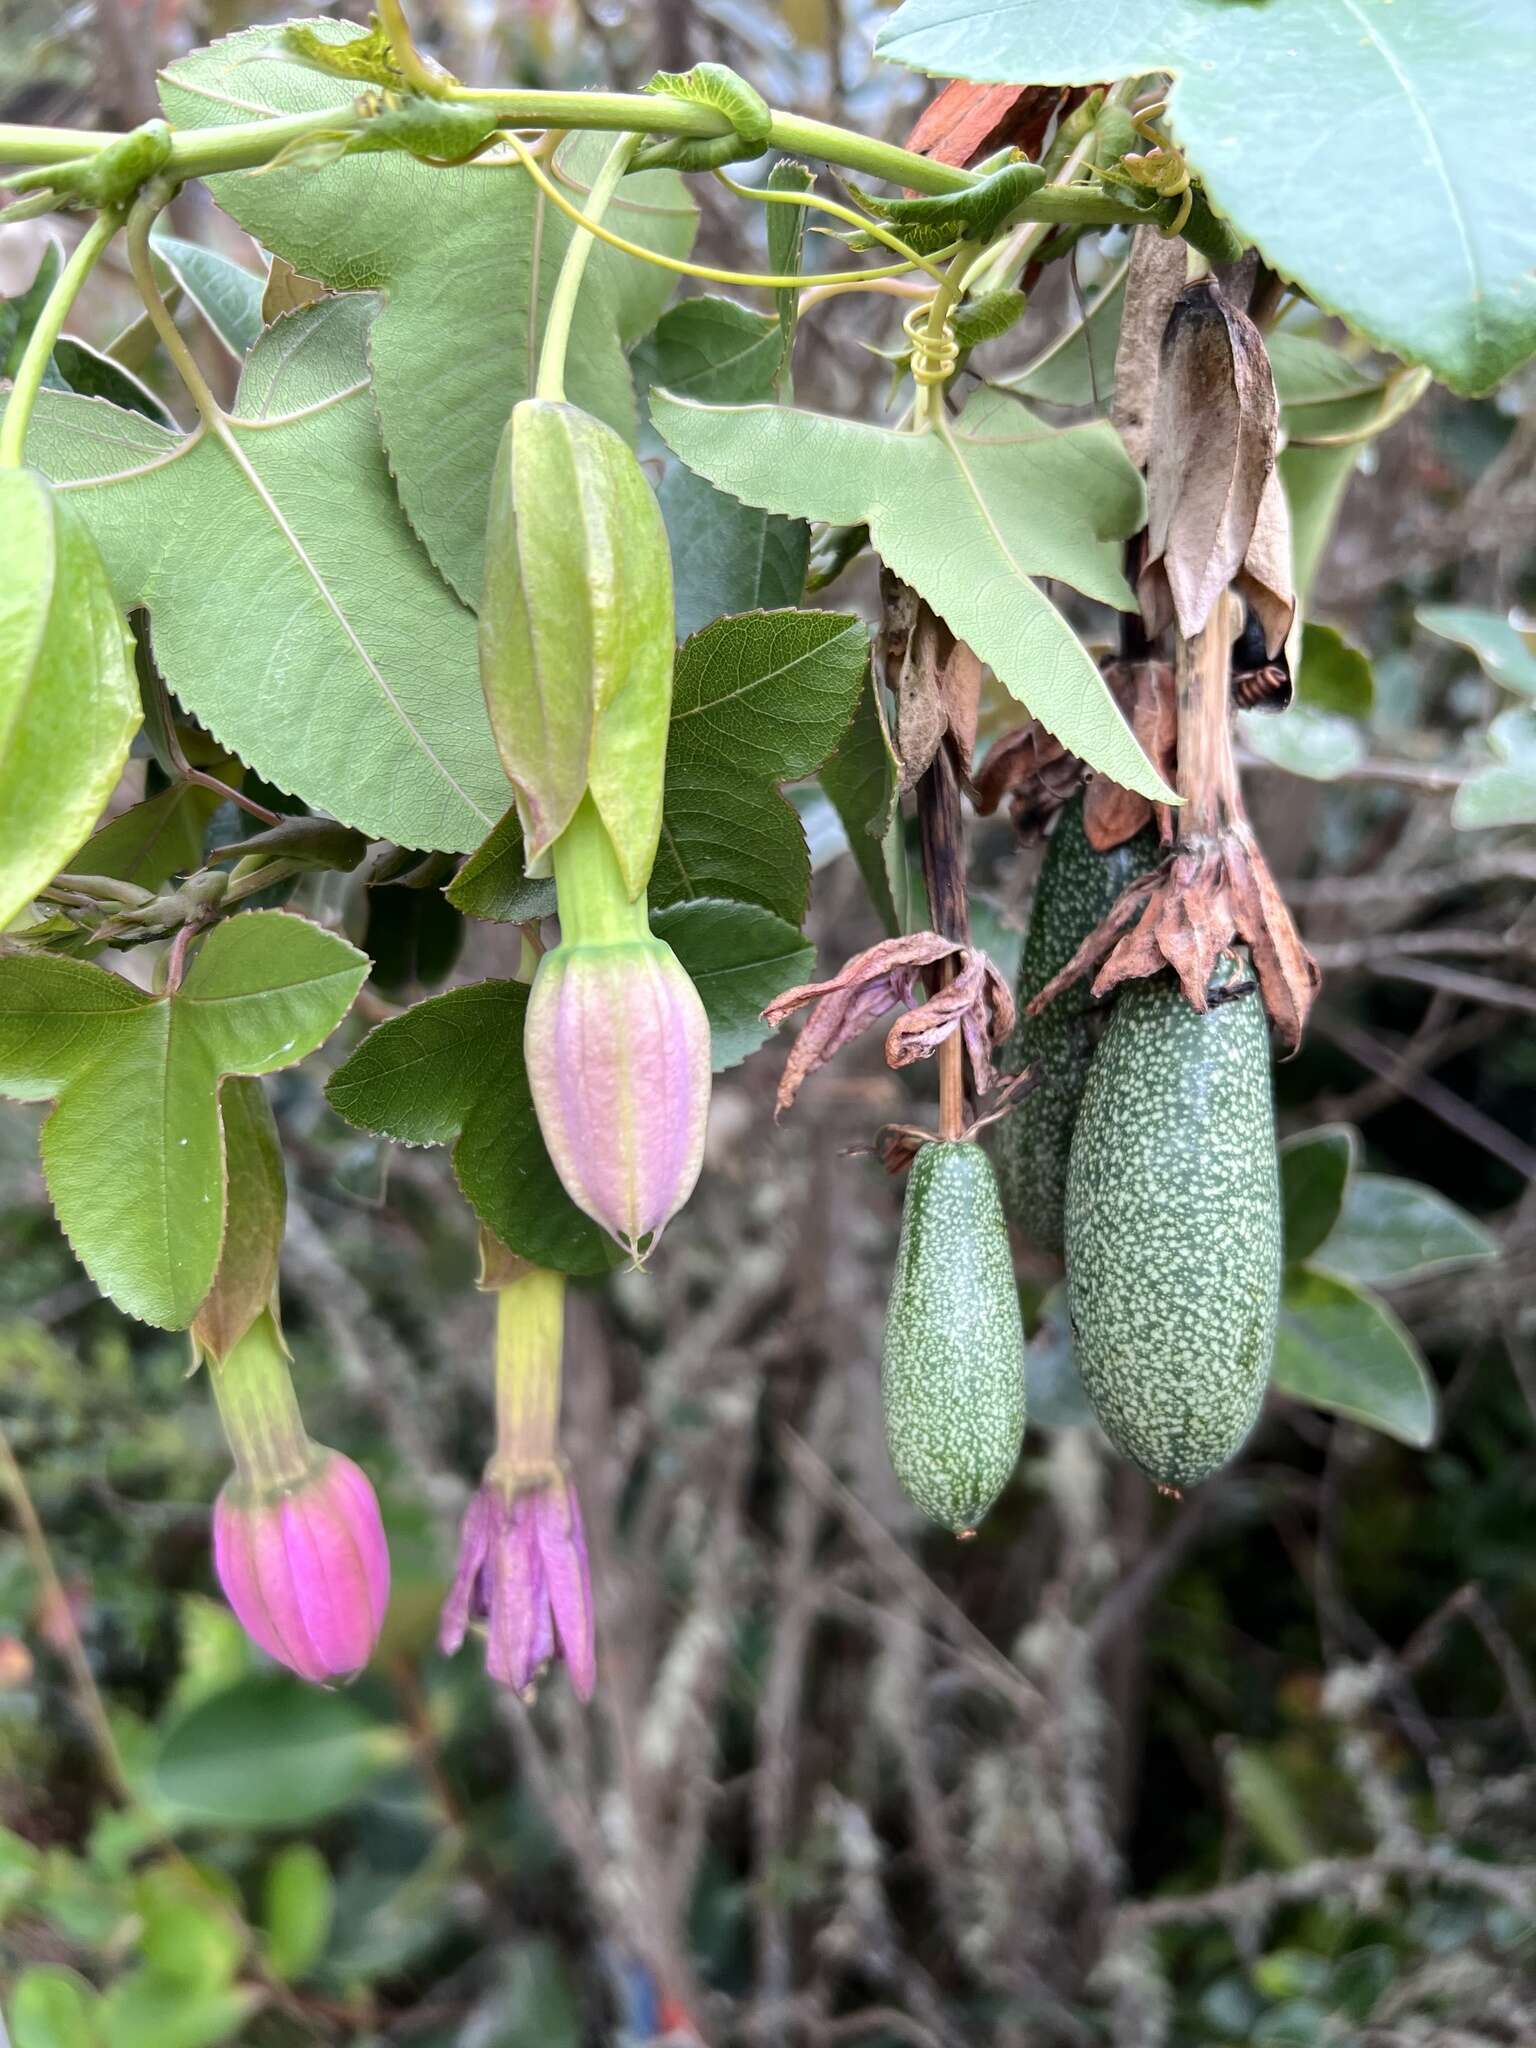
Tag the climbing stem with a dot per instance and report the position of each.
(147, 209)
(838, 211)
(562, 304)
(934, 353)
(33, 366)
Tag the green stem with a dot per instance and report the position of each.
(39, 350)
(562, 304)
(930, 387)
(530, 1331)
(595, 909)
(260, 1411)
(146, 210)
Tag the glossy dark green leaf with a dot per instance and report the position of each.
(1392, 1230)
(1334, 675)
(862, 779)
(413, 937)
(85, 370)
(493, 883)
(69, 700)
(756, 701)
(141, 1073)
(739, 957)
(450, 1072)
(18, 315)
(151, 841)
(1314, 1172)
(272, 1752)
(1339, 1348)
(726, 556)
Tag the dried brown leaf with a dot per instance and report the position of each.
(1145, 693)
(1212, 452)
(934, 678)
(1153, 282)
(978, 1003)
(1265, 576)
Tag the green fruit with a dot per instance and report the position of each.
(1173, 1230)
(953, 1372)
(1076, 889)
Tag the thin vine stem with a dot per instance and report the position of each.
(562, 304)
(840, 212)
(752, 279)
(33, 366)
(147, 208)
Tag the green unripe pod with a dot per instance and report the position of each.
(576, 631)
(1076, 889)
(1174, 1230)
(952, 1377)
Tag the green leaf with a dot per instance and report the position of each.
(967, 516)
(862, 780)
(189, 1936)
(298, 1902)
(453, 253)
(143, 2010)
(1504, 653)
(18, 315)
(1390, 100)
(1315, 481)
(726, 556)
(1341, 1349)
(53, 2008)
(975, 212)
(739, 957)
(226, 294)
(756, 701)
(1505, 795)
(272, 1752)
(69, 700)
(1334, 675)
(141, 1073)
(1320, 745)
(293, 611)
(1079, 366)
(450, 1072)
(493, 883)
(1314, 1171)
(1392, 1230)
(85, 370)
(255, 1211)
(151, 841)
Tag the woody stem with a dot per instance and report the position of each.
(1207, 765)
(941, 831)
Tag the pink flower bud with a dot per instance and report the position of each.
(305, 1566)
(523, 1571)
(617, 1049)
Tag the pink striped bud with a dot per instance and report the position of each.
(617, 1050)
(305, 1566)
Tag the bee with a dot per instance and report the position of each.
(1258, 684)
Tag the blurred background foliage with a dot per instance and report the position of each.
(1254, 1767)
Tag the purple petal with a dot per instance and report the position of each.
(517, 1600)
(568, 1575)
(466, 1596)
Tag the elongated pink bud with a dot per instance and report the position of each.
(305, 1566)
(617, 1049)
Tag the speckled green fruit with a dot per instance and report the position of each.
(953, 1372)
(1173, 1230)
(1077, 887)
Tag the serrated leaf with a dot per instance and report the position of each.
(151, 841)
(967, 516)
(292, 610)
(453, 253)
(1314, 1171)
(69, 700)
(1334, 675)
(726, 556)
(142, 1073)
(450, 1072)
(1319, 745)
(493, 883)
(1506, 794)
(1503, 653)
(1339, 1348)
(756, 701)
(272, 1752)
(1396, 100)
(225, 293)
(1391, 1230)
(739, 957)
(255, 1209)
(862, 780)
(85, 370)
